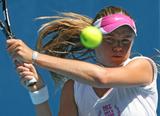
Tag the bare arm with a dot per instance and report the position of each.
(67, 103)
(43, 109)
(137, 72)
(27, 72)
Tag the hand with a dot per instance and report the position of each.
(27, 72)
(19, 50)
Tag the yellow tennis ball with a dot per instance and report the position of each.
(91, 37)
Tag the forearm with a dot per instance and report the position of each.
(76, 70)
(138, 72)
(81, 71)
(43, 109)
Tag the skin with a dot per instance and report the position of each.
(117, 47)
(26, 71)
(112, 53)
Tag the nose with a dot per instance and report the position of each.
(117, 46)
(117, 49)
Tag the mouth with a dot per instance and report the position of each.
(117, 55)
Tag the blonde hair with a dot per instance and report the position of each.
(65, 39)
(65, 31)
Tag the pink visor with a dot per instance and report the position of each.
(109, 23)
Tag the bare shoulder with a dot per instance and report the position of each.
(142, 67)
(141, 62)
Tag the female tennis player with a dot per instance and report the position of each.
(116, 85)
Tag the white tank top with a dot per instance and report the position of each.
(129, 101)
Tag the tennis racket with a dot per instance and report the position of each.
(6, 29)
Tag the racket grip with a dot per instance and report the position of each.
(31, 82)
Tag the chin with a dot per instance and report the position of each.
(118, 61)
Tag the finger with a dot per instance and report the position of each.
(14, 45)
(13, 41)
(30, 66)
(11, 44)
(21, 68)
(10, 41)
(26, 74)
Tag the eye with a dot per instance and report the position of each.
(126, 41)
(109, 41)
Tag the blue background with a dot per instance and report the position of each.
(14, 99)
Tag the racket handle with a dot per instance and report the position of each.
(31, 82)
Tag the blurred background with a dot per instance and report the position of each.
(14, 99)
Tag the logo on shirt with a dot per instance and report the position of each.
(109, 110)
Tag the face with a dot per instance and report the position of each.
(115, 47)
